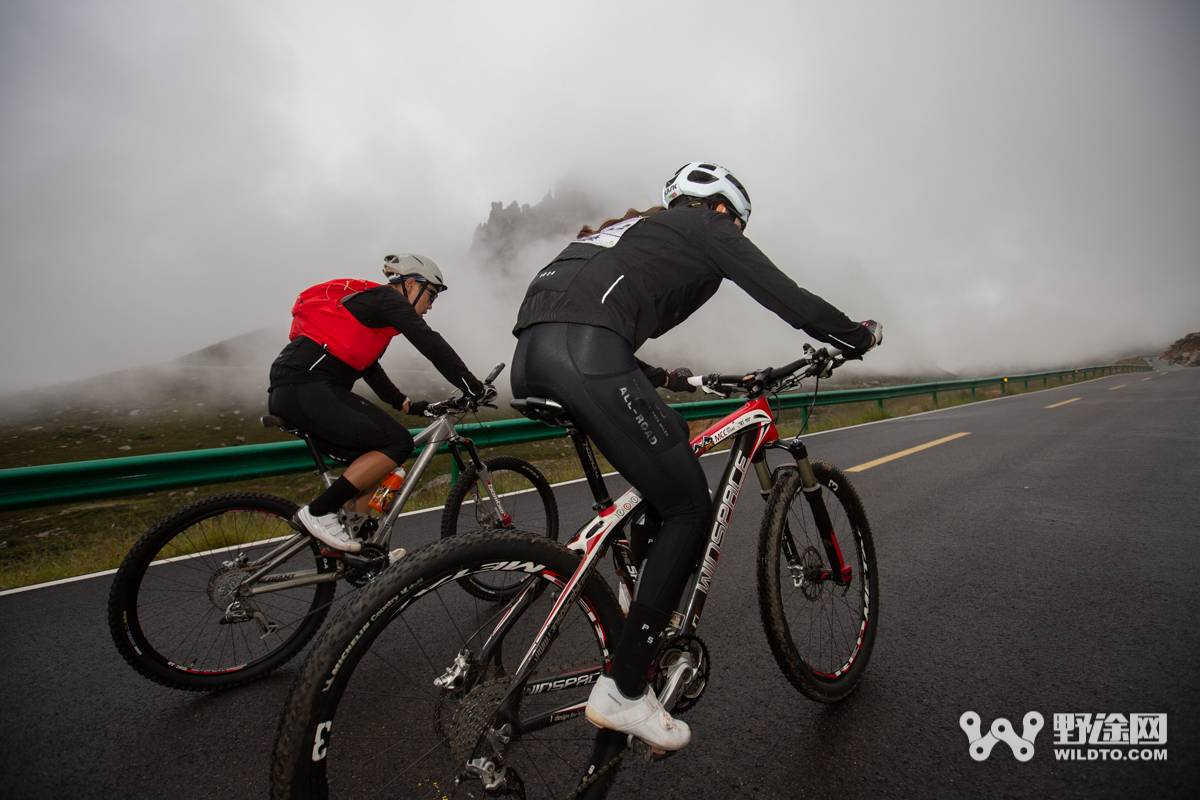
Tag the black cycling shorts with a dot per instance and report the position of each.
(345, 425)
(592, 372)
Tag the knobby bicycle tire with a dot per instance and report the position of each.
(821, 632)
(528, 500)
(364, 716)
(168, 600)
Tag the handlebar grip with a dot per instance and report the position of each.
(495, 372)
(696, 380)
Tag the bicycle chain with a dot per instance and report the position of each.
(344, 595)
(481, 700)
(589, 780)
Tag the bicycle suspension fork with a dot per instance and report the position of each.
(840, 571)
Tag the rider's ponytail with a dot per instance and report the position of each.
(587, 230)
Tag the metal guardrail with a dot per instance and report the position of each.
(29, 487)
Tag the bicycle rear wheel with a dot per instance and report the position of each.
(528, 503)
(366, 718)
(167, 608)
(821, 631)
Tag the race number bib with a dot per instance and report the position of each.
(610, 235)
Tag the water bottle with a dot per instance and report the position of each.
(387, 490)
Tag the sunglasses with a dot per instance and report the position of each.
(431, 289)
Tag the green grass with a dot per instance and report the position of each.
(38, 545)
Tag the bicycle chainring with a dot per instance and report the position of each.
(361, 576)
(694, 689)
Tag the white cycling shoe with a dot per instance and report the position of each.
(643, 717)
(328, 531)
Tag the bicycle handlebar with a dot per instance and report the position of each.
(462, 404)
(819, 363)
(494, 373)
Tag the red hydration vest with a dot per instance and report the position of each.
(319, 315)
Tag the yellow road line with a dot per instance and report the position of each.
(1064, 402)
(1122, 386)
(1146, 379)
(907, 452)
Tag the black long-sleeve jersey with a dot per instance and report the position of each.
(642, 277)
(305, 361)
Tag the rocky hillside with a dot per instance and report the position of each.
(1185, 352)
(511, 229)
(229, 373)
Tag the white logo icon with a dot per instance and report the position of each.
(1002, 731)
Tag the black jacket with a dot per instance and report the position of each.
(657, 271)
(305, 361)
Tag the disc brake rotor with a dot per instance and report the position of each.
(811, 564)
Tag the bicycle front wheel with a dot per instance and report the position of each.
(169, 606)
(821, 630)
(397, 695)
(526, 503)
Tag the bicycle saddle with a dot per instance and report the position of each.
(542, 410)
(272, 421)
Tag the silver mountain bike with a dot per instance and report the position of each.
(224, 590)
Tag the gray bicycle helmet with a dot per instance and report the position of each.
(701, 179)
(399, 268)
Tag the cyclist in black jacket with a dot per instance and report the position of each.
(339, 331)
(583, 318)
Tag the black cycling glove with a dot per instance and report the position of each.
(876, 330)
(676, 380)
(417, 407)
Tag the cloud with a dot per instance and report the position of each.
(1004, 185)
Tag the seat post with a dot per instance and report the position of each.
(591, 469)
(322, 468)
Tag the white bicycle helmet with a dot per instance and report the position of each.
(701, 179)
(399, 268)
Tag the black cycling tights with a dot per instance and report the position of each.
(345, 425)
(593, 374)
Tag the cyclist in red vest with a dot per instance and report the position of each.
(339, 330)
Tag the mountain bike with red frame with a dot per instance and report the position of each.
(419, 689)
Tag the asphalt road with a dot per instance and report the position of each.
(1044, 562)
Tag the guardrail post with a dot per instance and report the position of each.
(935, 398)
(972, 392)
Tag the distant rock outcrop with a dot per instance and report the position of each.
(512, 228)
(1185, 352)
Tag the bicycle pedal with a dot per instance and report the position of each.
(649, 754)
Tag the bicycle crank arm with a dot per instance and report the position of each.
(679, 675)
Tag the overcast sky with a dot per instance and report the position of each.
(1004, 185)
